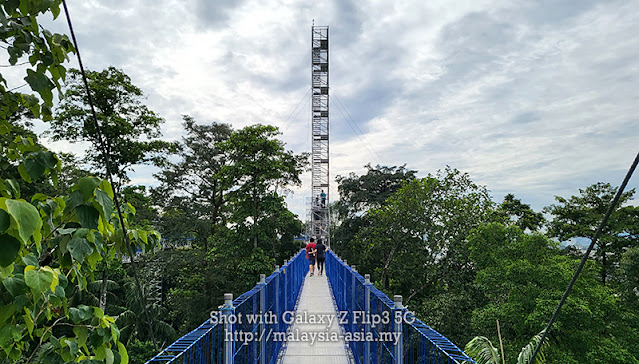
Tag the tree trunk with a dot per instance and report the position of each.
(386, 266)
(604, 262)
(103, 288)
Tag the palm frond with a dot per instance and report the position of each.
(527, 351)
(482, 350)
(164, 331)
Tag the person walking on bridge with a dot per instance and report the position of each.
(320, 248)
(310, 255)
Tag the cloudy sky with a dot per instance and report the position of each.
(538, 98)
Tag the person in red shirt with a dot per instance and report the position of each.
(310, 255)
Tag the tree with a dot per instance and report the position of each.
(193, 191)
(146, 215)
(257, 166)
(129, 128)
(513, 211)
(52, 244)
(482, 350)
(629, 274)
(46, 54)
(416, 246)
(523, 276)
(579, 216)
(358, 195)
(252, 240)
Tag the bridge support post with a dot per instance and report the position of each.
(353, 293)
(262, 330)
(344, 296)
(278, 312)
(398, 323)
(286, 287)
(367, 326)
(229, 343)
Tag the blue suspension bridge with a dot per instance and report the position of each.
(293, 317)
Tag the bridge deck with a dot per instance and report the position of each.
(316, 304)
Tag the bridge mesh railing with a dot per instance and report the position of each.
(371, 325)
(251, 339)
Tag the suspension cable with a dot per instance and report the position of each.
(357, 130)
(603, 223)
(105, 148)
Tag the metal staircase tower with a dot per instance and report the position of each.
(319, 214)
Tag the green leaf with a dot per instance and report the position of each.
(5, 338)
(73, 347)
(10, 247)
(482, 350)
(38, 280)
(123, 353)
(81, 333)
(5, 221)
(115, 333)
(23, 173)
(109, 356)
(79, 247)
(11, 6)
(105, 203)
(30, 259)
(80, 313)
(35, 169)
(40, 83)
(86, 185)
(26, 216)
(106, 187)
(14, 186)
(28, 320)
(88, 216)
(59, 290)
(47, 160)
(74, 200)
(6, 311)
(15, 285)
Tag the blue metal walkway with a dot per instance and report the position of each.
(254, 327)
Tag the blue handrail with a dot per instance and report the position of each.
(364, 309)
(277, 294)
(370, 313)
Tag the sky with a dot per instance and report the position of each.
(536, 98)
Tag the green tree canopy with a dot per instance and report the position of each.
(513, 211)
(579, 216)
(415, 245)
(358, 195)
(192, 191)
(522, 278)
(129, 128)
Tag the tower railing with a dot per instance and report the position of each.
(381, 329)
(244, 330)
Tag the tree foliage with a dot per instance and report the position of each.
(523, 277)
(130, 130)
(513, 211)
(51, 244)
(579, 217)
(46, 53)
(483, 352)
(358, 195)
(193, 192)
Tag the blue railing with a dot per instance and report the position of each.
(230, 336)
(378, 321)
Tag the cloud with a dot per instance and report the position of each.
(537, 97)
